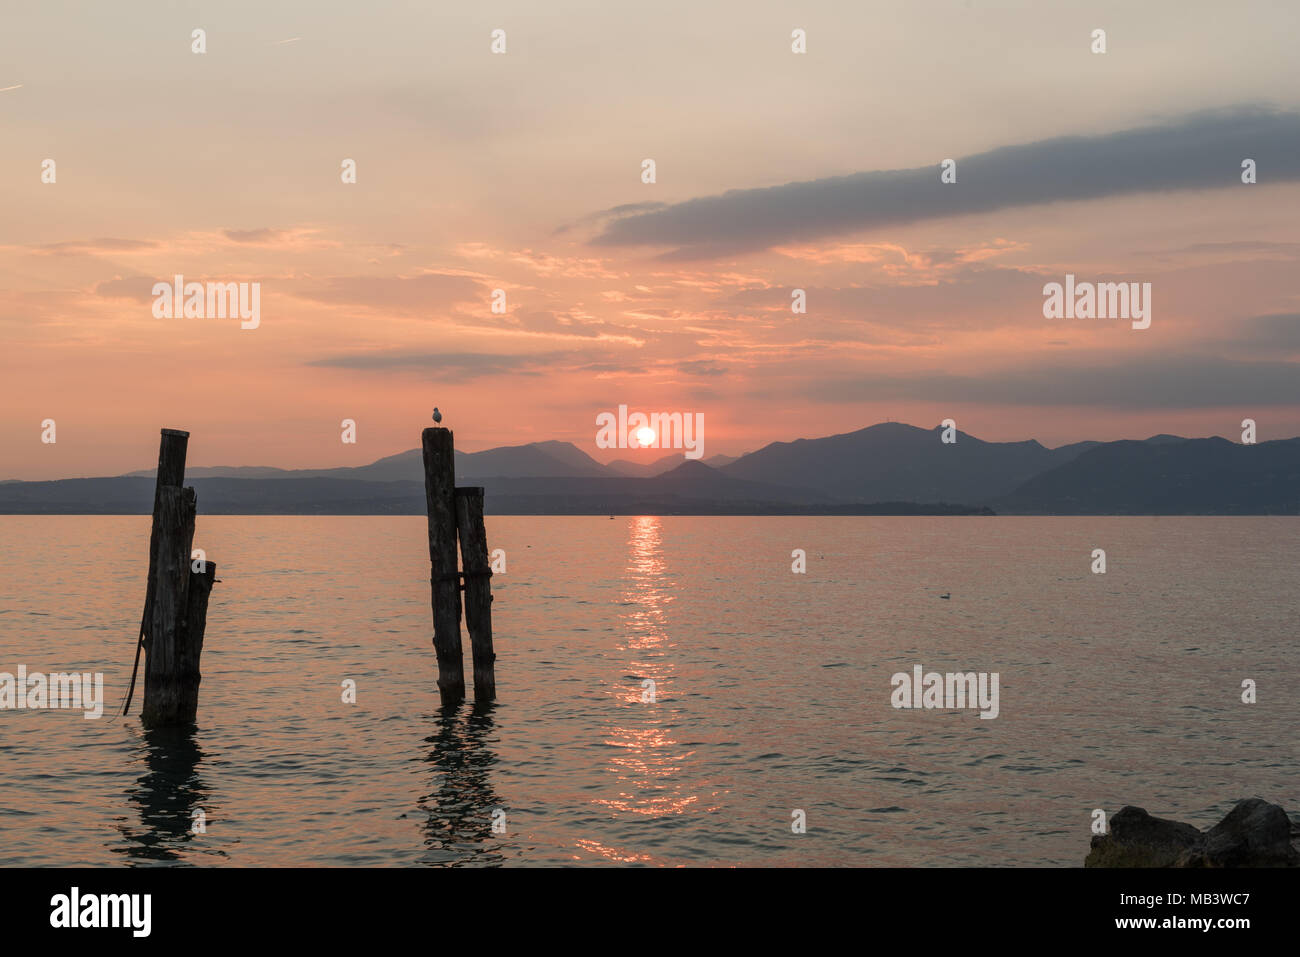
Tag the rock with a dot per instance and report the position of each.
(1254, 833)
(1137, 839)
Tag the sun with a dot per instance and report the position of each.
(645, 436)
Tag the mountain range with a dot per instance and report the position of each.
(890, 468)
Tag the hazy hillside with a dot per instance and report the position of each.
(692, 488)
(664, 464)
(517, 461)
(893, 461)
(890, 468)
(1168, 476)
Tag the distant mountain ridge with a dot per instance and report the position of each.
(1159, 477)
(893, 461)
(553, 459)
(887, 468)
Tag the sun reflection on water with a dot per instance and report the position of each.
(648, 761)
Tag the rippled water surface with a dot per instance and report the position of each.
(773, 691)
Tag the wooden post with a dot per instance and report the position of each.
(478, 588)
(162, 679)
(190, 644)
(171, 473)
(440, 496)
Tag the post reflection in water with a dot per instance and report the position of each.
(648, 761)
(458, 828)
(166, 797)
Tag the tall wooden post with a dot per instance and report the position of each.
(171, 473)
(167, 637)
(176, 597)
(478, 588)
(440, 500)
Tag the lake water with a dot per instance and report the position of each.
(773, 691)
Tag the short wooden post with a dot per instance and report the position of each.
(440, 501)
(478, 588)
(190, 644)
(162, 679)
(171, 473)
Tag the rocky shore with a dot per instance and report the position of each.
(1255, 833)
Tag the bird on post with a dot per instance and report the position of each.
(437, 416)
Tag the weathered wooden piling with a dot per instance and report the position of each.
(176, 597)
(171, 473)
(478, 588)
(190, 646)
(162, 679)
(440, 500)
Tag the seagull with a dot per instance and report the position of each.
(437, 416)
(946, 595)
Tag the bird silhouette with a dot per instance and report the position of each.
(437, 416)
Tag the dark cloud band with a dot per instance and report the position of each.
(1201, 151)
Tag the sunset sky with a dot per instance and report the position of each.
(522, 171)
